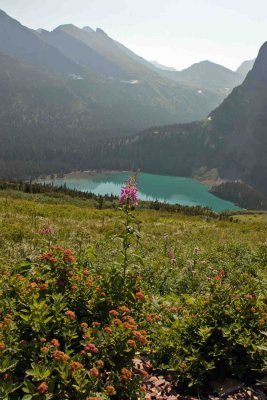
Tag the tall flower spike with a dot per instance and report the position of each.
(129, 192)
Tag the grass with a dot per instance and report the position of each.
(84, 228)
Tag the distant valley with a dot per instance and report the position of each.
(230, 144)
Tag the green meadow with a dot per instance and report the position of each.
(192, 299)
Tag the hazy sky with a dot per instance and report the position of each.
(174, 32)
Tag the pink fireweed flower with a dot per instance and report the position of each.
(49, 230)
(129, 192)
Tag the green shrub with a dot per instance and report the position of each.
(212, 334)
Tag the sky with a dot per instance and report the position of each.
(176, 33)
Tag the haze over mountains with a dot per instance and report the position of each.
(63, 91)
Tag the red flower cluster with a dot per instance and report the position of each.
(71, 315)
(75, 366)
(60, 356)
(219, 276)
(126, 374)
(91, 348)
(42, 388)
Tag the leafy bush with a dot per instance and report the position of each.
(67, 333)
(212, 334)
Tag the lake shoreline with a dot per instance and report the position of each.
(151, 187)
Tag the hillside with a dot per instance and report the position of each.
(83, 313)
(43, 120)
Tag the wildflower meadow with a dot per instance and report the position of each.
(88, 294)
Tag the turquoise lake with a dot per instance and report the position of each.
(169, 189)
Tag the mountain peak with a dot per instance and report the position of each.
(41, 30)
(100, 31)
(65, 27)
(88, 29)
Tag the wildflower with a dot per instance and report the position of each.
(46, 231)
(59, 355)
(117, 321)
(219, 276)
(107, 329)
(86, 272)
(84, 325)
(171, 254)
(88, 335)
(129, 192)
(131, 343)
(44, 349)
(94, 372)
(127, 325)
(91, 348)
(75, 366)
(42, 388)
(126, 374)
(44, 286)
(54, 342)
(110, 390)
(96, 324)
(140, 337)
(152, 317)
(129, 319)
(124, 309)
(113, 313)
(48, 257)
(33, 285)
(139, 295)
(68, 256)
(100, 363)
(2, 346)
(71, 315)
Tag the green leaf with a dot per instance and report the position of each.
(27, 397)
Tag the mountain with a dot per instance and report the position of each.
(207, 75)
(238, 130)
(64, 91)
(80, 53)
(24, 44)
(43, 122)
(245, 67)
(232, 141)
(161, 66)
(103, 69)
(111, 50)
